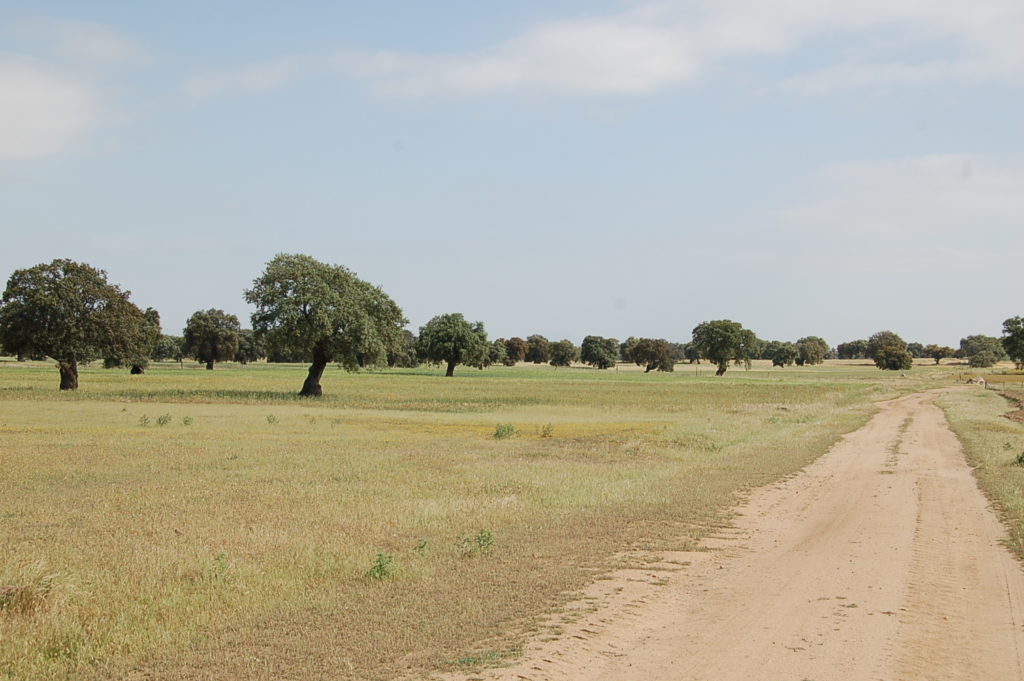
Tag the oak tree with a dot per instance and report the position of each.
(308, 309)
(212, 336)
(449, 338)
(70, 312)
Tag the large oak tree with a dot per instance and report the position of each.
(70, 312)
(307, 308)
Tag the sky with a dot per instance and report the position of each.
(562, 167)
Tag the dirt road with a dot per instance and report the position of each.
(880, 561)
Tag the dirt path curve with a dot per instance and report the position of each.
(881, 560)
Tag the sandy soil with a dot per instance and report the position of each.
(882, 560)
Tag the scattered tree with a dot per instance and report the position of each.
(1013, 340)
(564, 353)
(308, 309)
(781, 353)
(138, 356)
(515, 351)
(938, 352)
(989, 349)
(723, 341)
(811, 350)
(599, 352)
(538, 349)
(626, 348)
(169, 347)
(497, 354)
(857, 349)
(916, 350)
(449, 338)
(652, 354)
(403, 353)
(889, 351)
(70, 312)
(212, 336)
(250, 347)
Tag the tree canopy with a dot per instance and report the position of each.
(599, 352)
(938, 352)
(70, 312)
(811, 350)
(781, 353)
(652, 353)
(306, 308)
(855, 349)
(538, 349)
(1013, 340)
(449, 338)
(250, 347)
(982, 351)
(515, 351)
(723, 341)
(889, 351)
(212, 336)
(564, 353)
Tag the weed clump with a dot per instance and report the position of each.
(383, 567)
(503, 431)
(480, 544)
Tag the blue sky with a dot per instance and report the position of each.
(564, 168)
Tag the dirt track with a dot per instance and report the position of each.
(879, 561)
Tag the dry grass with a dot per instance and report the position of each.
(237, 538)
(994, 445)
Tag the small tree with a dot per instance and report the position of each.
(916, 350)
(515, 351)
(599, 352)
(938, 352)
(1013, 340)
(652, 354)
(538, 349)
(982, 359)
(306, 309)
(403, 354)
(250, 347)
(564, 353)
(169, 347)
(137, 357)
(811, 350)
(449, 338)
(978, 344)
(782, 354)
(889, 351)
(626, 348)
(857, 349)
(70, 312)
(723, 341)
(496, 353)
(212, 336)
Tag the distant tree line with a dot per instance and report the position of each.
(308, 311)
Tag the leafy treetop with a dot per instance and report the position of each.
(449, 338)
(307, 308)
(70, 312)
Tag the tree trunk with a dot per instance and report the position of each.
(451, 368)
(21, 357)
(721, 370)
(137, 369)
(209, 365)
(312, 388)
(68, 374)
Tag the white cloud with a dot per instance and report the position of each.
(42, 110)
(976, 202)
(90, 42)
(655, 46)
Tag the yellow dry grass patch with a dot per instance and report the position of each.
(194, 525)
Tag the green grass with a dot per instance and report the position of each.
(993, 445)
(152, 523)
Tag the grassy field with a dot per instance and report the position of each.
(187, 524)
(994, 445)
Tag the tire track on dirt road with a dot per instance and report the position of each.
(880, 561)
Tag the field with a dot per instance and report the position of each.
(187, 524)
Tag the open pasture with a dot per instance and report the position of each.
(192, 524)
